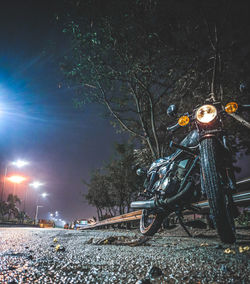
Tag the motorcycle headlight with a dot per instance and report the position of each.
(206, 114)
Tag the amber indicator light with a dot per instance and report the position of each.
(231, 107)
(183, 120)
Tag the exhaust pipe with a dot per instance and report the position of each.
(152, 204)
(144, 204)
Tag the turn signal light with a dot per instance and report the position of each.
(183, 120)
(231, 107)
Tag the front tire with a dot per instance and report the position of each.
(150, 222)
(213, 186)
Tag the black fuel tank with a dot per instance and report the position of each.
(191, 140)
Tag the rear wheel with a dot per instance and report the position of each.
(150, 222)
(215, 189)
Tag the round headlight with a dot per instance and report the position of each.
(206, 113)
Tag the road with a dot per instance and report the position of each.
(32, 255)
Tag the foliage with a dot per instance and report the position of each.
(244, 218)
(140, 56)
(112, 188)
(10, 208)
(3, 208)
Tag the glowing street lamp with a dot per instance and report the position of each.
(20, 163)
(44, 194)
(36, 184)
(16, 179)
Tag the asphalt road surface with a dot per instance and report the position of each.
(32, 255)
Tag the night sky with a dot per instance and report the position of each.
(38, 121)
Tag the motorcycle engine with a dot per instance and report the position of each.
(170, 178)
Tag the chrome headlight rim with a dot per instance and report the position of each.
(209, 117)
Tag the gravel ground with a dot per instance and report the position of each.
(32, 255)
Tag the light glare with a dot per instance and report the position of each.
(16, 179)
(36, 184)
(20, 163)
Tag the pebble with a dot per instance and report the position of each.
(36, 262)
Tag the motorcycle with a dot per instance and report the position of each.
(201, 167)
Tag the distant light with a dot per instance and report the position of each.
(56, 213)
(44, 194)
(36, 184)
(51, 215)
(16, 179)
(20, 163)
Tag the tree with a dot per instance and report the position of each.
(3, 209)
(112, 188)
(12, 201)
(140, 56)
(123, 181)
(120, 60)
(99, 194)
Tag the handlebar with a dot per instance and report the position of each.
(245, 106)
(173, 127)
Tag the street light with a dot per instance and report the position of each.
(19, 164)
(36, 184)
(16, 179)
(44, 194)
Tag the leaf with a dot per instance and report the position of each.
(243, 249)
(204, 244)
(58, 247)
(229, 251)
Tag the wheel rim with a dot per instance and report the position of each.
(148, 218)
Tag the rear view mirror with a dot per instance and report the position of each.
(140, 172)
(172, 111)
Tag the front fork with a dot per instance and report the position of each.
(229, 167)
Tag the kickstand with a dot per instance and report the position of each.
(183, 226)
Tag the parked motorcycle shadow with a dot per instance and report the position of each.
(197, 224)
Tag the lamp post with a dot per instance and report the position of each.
(16, 180)
(35, 185)
(3, 186)
(44, 194)
(18, 164)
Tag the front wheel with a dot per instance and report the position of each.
(212, 181)
(150, 222)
